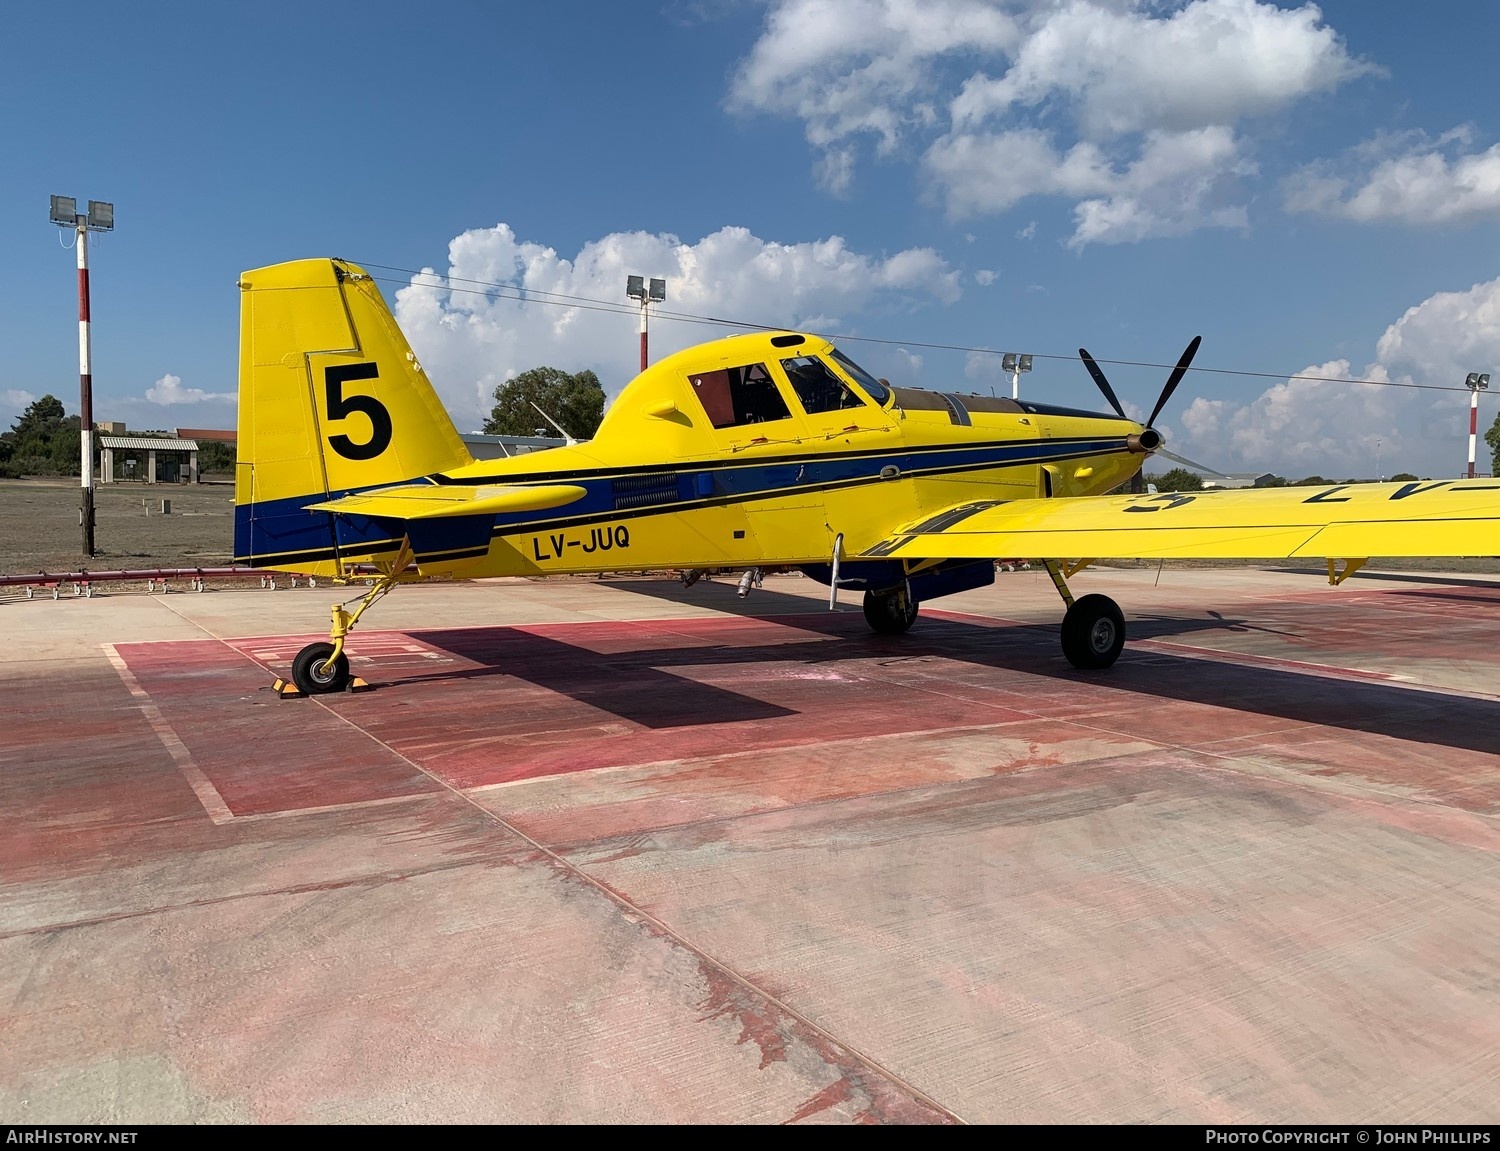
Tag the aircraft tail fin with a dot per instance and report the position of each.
(332, 401)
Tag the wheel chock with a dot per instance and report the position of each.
(286, 689)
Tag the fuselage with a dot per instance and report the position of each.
(764, 450)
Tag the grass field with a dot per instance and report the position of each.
(39, 528)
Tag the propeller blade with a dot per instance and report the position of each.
(1109, 392)
(1197, 467)
(1174, 379)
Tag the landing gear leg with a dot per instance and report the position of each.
(1093, 629)
(323, 667)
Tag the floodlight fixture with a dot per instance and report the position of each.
(1478, 381)
(64, 211)
(1015, 364)
(655, 292)
(101, 216)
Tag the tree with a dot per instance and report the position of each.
(1402, 478)
(216, 457)
(1492, 437)
(576, 402)
(1177, 480)
(43, 440)
(41, 418)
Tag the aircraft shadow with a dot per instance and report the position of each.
(640, 685)
(1164, 626)
(630, 684)
(764, 604)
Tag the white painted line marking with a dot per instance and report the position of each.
(207, 794)
(325, 809)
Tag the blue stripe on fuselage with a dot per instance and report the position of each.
(268, 528)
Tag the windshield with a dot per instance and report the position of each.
(876, 390)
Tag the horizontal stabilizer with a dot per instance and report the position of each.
(437, 501)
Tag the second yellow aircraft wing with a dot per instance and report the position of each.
(435, 501)
(1427, 518)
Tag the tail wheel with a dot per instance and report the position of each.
(313, 674)
(1093, 632)
(890, 613)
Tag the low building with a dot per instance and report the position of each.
(207, 435)
(170, 446)
(483, 447)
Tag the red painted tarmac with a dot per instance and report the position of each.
(624, 857)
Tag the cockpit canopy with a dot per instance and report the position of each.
(747, 393)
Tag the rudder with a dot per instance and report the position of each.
(332, 401)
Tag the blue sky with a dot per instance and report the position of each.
(1314, 190)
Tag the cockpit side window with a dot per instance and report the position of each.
(732, 397)
(877, 391)
(817, 387)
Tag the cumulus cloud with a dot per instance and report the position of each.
(985, 277)
(1408, 177)
(911, 361)
(1447, 335)
(984, 368)
(1121, 69)
(862, 67)
(1304, 426)
(471, 337)
(1061, 98)
(13, 401)
(1177, 183)
(169, 390)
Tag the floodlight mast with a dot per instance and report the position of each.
(654, 293)
(1477, 382)
(1015, 365)
(100, 218)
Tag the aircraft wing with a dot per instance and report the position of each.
(1427, 518)
(438, 501)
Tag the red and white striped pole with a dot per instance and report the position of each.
(1473, 425)
(644, 303)
(85, 390)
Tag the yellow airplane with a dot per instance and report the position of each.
(764, 450)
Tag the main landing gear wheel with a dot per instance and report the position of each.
(313, 674)
(1093, 632)
(890, 613)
